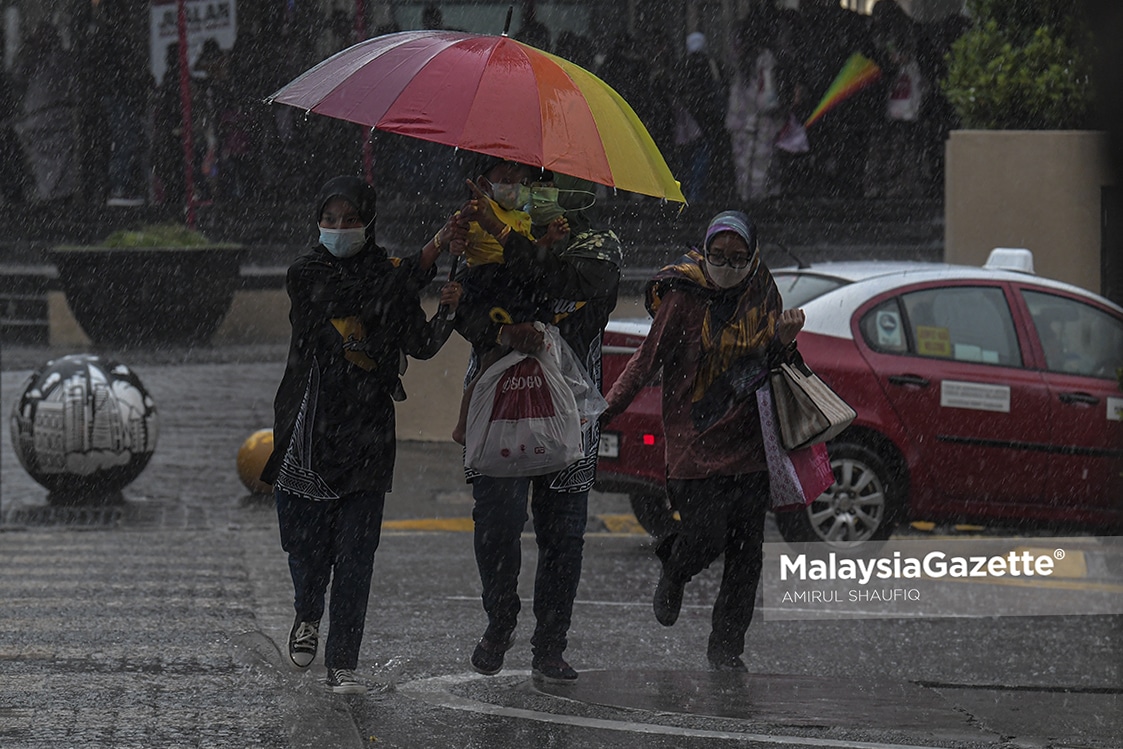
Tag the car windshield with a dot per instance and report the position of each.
(796, 289)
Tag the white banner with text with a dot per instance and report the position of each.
(206, 19)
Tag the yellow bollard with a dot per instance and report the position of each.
(252, 455)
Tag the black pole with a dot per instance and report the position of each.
(507, 23)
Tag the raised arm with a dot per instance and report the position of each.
(648, 358)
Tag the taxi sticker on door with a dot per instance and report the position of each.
(889, 330)
(933, 341)
(1115, 409)
(975, 396)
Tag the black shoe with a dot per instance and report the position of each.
(667, 600)
(553, 671)
(343, 681)
(731, 663)
(303, 639)
(663, 548)
(487, 658)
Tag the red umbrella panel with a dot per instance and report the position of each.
(492, 95)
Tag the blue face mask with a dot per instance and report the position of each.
(343, 242)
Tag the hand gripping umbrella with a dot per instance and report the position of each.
(492, 95)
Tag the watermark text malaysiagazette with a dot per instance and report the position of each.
(942, 576)
(935, 564)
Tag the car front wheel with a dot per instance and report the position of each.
(862, 505)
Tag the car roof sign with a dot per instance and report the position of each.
(1017, 259)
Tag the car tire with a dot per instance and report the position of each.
(863, 504)
(654, 513)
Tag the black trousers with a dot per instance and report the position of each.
(332, 540)
(559, 529)
(722, 514)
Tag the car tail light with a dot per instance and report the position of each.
(649, 439)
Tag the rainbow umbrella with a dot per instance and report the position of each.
(492, 95)
(858, 72)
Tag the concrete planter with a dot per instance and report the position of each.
(1039, 189)
(138, 297)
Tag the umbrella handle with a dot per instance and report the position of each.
(443, 312)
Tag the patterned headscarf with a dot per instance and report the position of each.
(736, 222)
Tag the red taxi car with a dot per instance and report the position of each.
(983, 394)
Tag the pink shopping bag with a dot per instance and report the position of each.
(796, 478)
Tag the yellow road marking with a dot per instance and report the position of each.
(1038, 582)
(623, 523)
(1072, 567)
(927, 526)
(454, 525)
(1073, 564)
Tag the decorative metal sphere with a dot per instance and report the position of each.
(252, 456)
(84, 425)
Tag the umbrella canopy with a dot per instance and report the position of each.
(492, 95)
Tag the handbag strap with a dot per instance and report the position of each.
(793, 359)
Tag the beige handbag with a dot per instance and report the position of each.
(807, 410)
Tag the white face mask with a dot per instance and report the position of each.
(343, 242)
(510, 196)
(725, 277)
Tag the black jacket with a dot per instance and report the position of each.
(352, 321)
(582, 283)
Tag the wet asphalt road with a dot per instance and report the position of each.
(157, 622)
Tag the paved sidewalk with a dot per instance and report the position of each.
(156, 621)
(135, 625)
(124, 639)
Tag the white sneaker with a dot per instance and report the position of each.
(343, 681)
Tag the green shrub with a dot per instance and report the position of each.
(1024, 65)
(156, 235)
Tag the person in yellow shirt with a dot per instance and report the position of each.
(487, 287)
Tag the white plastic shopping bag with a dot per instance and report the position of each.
(590, 403)
(522, 418)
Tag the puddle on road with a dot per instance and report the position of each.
(76, 517)
(133, 514)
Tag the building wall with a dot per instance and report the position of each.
(1034, 189)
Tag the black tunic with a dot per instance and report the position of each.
(352, 321)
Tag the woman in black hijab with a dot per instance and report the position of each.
(356, 314)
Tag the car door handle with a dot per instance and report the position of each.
(916, 380)
(1091, 400)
